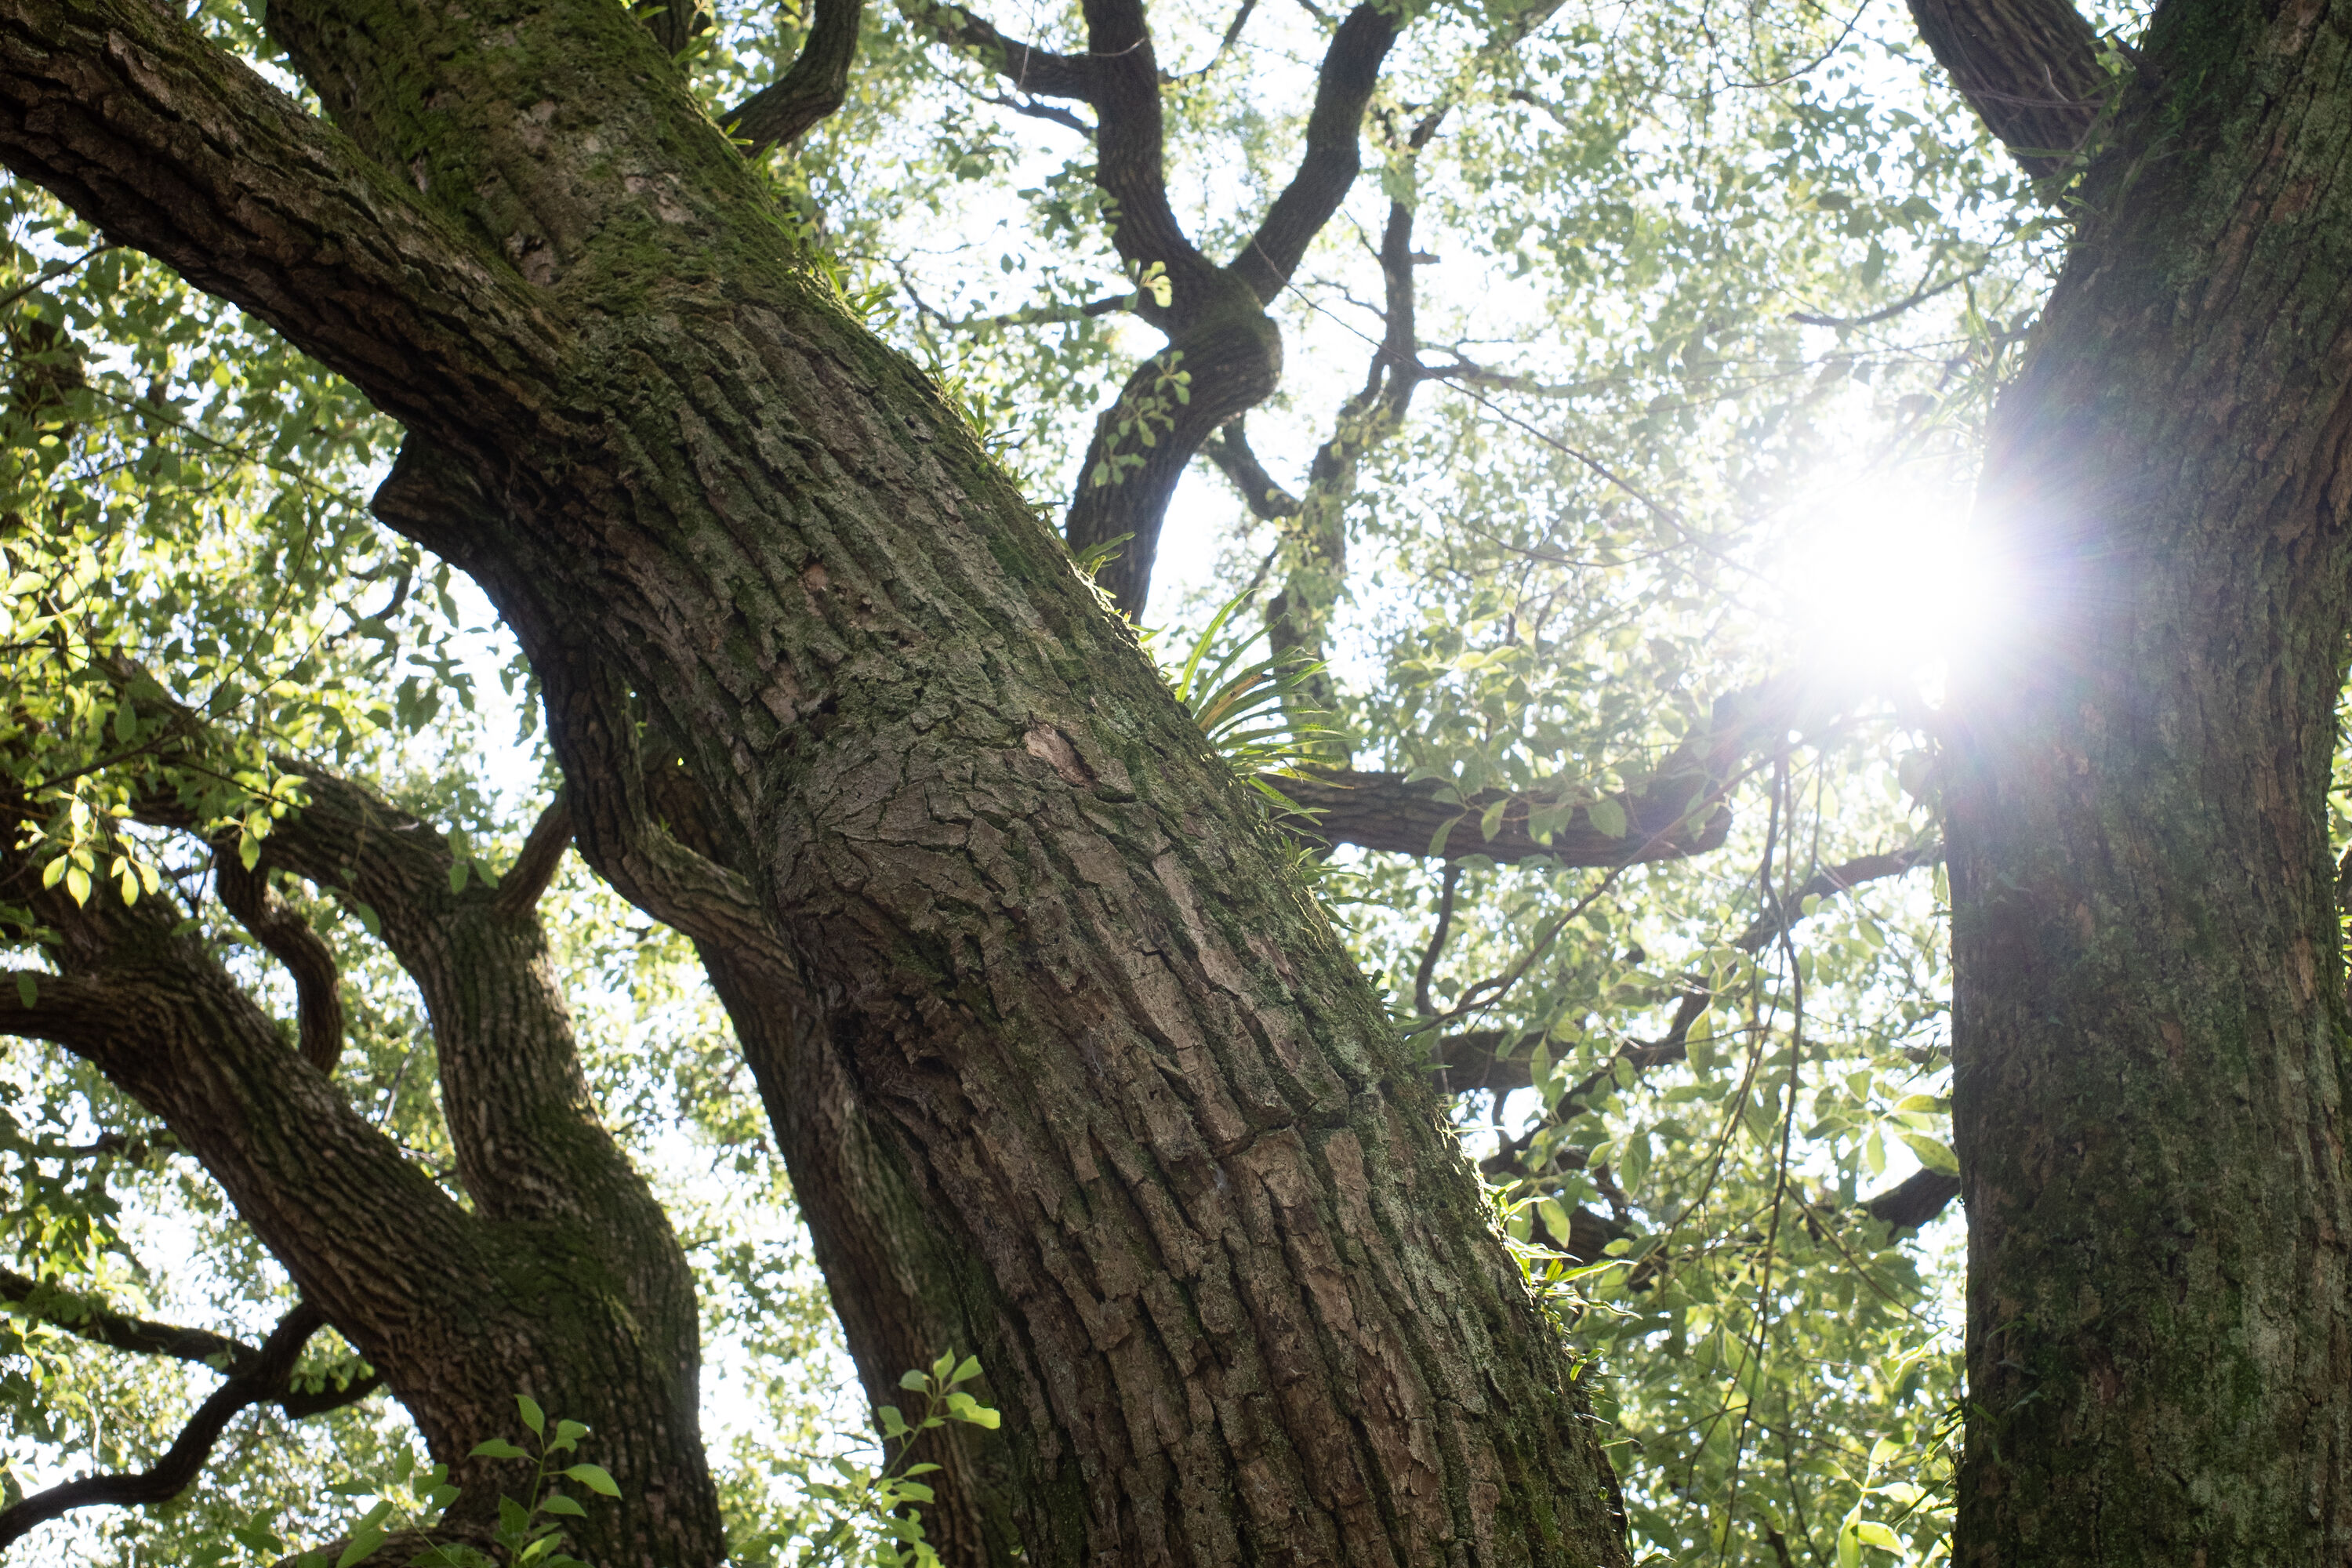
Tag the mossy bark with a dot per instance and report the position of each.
(2149, 1021)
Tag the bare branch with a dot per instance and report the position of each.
(1036, 111)
(812, 89)
(1230, 449)
(1436, 948)
(53, 1304)
(1350, 69)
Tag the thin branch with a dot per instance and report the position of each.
(53, 1304)
(1436, 948)
(1230, 449)
(1916, 298)
(1036, 111)
(262, 1382)
(1498, 1061)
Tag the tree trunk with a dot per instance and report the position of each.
(1249, 1301)
(2149, 1021)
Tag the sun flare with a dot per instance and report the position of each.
(1886, 584)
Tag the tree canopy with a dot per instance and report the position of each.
(1489, 721)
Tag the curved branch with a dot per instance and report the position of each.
(812, 89)
(535, 865)
(434, 500)
(287, 937)
(1260, 491)
(263, 1380)
(1041, 73)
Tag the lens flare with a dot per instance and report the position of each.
(1885, 585)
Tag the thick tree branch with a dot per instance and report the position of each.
(2029, 67)
(535, 865)
(287, 937)
(135, 120)
(1350, 69)
(589, 725)
(780, 113)
(262, 1380)
(1676, 812)
(1912, 1202)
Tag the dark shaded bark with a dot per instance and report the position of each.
(2029, 67)
(2149, 1020)
(1914, 1201)
(1252, 1306)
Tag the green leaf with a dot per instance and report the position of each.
(1932, 1153)
(532, 1415)
(364, 1543)
(497, 1449)
(967, 1370)
(915, 1378)
(28, 990)
(594, 1479)
(556, 1503)
(1608, 818)
(1872, 1533)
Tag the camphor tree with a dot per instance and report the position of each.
(1067, 1064)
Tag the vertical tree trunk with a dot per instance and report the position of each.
(2149, 1024)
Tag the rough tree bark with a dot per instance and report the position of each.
(1241, 1295)
(2149, 1022)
